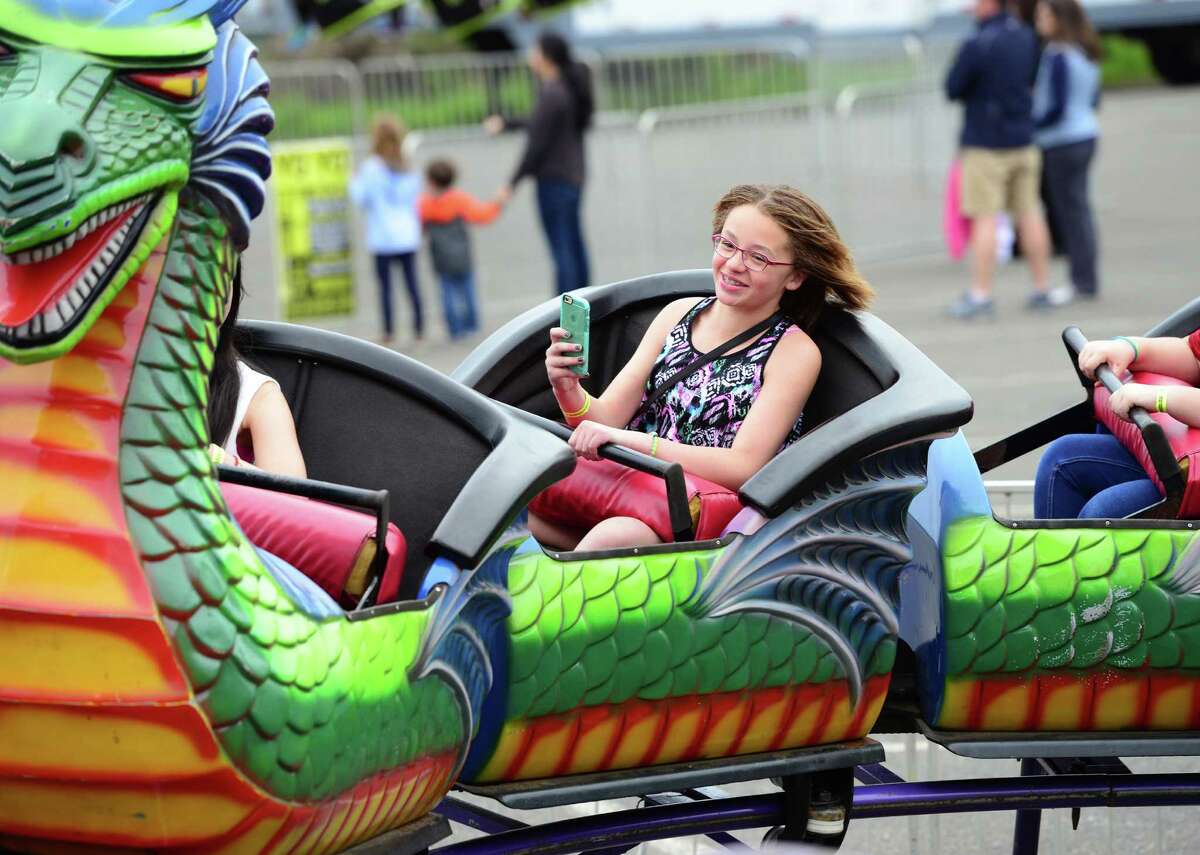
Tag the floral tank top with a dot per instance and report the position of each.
(709, 406)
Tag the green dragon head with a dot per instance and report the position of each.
(108, 109)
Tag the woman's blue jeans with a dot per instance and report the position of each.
(558, 205)
(1090, 476)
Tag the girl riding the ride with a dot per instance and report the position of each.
(246, 408)
(1092, 475)
(777, 262)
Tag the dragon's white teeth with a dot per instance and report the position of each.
(50, 250)
(53, 320)
(73, 301)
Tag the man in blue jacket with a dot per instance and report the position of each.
(993, 76)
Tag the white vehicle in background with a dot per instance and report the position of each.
(1170, 28)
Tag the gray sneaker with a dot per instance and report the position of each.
(968, 307)
(1039, 301)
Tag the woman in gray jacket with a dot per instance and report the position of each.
(1065, 97)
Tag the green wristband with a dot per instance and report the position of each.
(1131, 343)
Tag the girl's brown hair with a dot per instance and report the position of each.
(1075, 28)
(387, 141)
(830, 276)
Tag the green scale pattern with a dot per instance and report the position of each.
(623, 630)
(1054, 599)
(305, 708)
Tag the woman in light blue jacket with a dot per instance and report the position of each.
(387, 191)
(1065, 97)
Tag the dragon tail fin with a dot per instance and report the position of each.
(831, 564)
(467, 630)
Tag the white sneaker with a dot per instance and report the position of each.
(1061, 295)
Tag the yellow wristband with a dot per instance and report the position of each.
(653, 444)
(216, 454)
(587, 405)
(1160, 402)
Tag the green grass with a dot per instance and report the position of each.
(1126, 63)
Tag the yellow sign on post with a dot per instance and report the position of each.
(313, 210)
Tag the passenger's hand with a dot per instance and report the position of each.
(494, 124)
(561, 356)
(219, 457)
(588, 436)
(1133, 395)
(504, 195)
(1118, 355)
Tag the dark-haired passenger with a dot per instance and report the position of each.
(445, 213)
(249, 420)
(554, 154)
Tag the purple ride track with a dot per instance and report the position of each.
(1036, 790)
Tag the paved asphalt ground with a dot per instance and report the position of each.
(1147, 198)
(1146, 192)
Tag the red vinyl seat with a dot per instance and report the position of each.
(1184, 439)
(332, 545)
(599, 489)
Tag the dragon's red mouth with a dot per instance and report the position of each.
(44, 289)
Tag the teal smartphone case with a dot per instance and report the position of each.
(575, 316)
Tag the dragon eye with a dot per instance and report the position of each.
(5, 52)
(176, 85)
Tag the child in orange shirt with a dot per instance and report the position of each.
(445, 213)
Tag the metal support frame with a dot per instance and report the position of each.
(1028, 826)
(721, 838)
(412, 839)
(1044, 784)
(817, 808)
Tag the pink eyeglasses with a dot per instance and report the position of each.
(755, 261)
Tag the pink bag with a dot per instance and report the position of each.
(955, 227)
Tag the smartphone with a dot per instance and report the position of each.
(575, 316)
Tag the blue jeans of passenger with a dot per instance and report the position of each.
(1090, 476)
(383, 270)
(458, 302)
(558, 205)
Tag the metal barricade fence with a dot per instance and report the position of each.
(447, 92)
(839, 63)
(1011, 499)
(637, 81)
(318, 98)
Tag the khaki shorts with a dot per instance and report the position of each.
(1006, 179)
